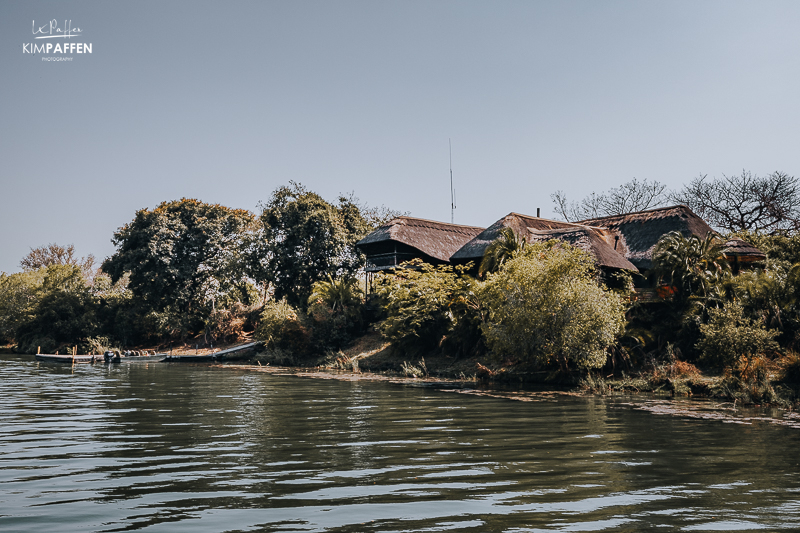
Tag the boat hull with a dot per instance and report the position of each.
(83, 359)
(92, 359)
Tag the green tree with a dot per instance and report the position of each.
(308, 239)
(693, 266)
(60, 319)
(545, 307)
(506, 246)
(21, 294)
(182, 257)
(424, 305)
(694, 270)
(54, 254)
(771, 295)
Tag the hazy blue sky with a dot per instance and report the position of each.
(225, 101)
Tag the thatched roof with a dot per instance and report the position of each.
(640, 231)
(742, 251)
(439, 240)
(521, 224)
(592, 240)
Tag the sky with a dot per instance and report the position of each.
(227, 101)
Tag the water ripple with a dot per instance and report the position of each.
(187, 448)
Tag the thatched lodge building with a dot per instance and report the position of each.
(617, 243)
(596, 240)
(741, 254)
(638, 232)
(406, 238)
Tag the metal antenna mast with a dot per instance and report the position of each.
(452, 191)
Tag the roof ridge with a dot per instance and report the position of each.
(514, 213)
(576, 227)
(438, 223)
(643, 211)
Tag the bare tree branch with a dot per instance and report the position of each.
(565, 209)
(632, 196)
(53, 254)
(746, 202)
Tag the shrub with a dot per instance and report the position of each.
(544, 306)
(19, 294)
(748, 381)
(425, 304)
(333, 329)
(227, 324)
(789, 366)
(729, 336)
(619, 281)
(335, 308)
(282, 327)
(96, 345)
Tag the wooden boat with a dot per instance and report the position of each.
(189, 358)
(216, 356)
(71, 359)
(152, 357)
(130, 357)
(107, 357)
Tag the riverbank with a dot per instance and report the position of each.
(371, 355)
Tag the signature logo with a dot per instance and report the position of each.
(55, 30)
(52, 30)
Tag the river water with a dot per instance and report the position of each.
(170, 447)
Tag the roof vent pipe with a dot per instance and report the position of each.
(538, 210)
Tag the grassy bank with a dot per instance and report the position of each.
(764, 384)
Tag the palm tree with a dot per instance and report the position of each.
(506, 246)
(693, 266)
(336, 293)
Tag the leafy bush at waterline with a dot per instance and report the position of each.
(282, 327)
(336, 309)
(426, 307)
(545, 307)
(729, 337)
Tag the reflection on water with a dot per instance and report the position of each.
(156, 447)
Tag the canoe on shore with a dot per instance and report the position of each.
(111, 357)
(208, 358)
(189, 358)
(92, 359)
(134, 358)
(53, 358)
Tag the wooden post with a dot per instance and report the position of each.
(38, 350)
